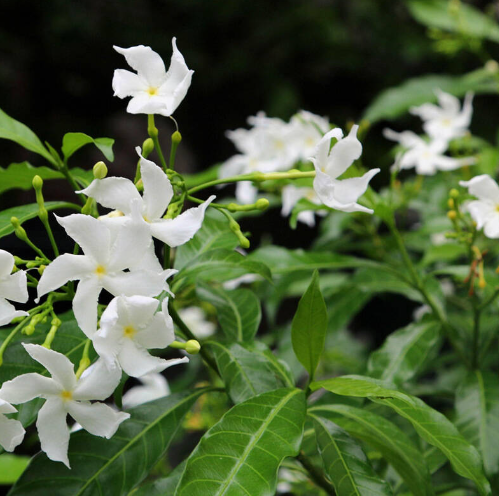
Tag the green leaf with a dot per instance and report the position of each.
(345, 463)
(458, 18)
(21, 175)
(164, 486)
(71, 142)
(16, 131)
(384, 436)
(242, 452)
(11, 467)
(404, 352)
(448, 252)
(238, 311)
(430, 424)
(218, 265)
(394, 102)
(117, 465)
(477, 415)
(27, 212)
(249, 369)
(308, 330)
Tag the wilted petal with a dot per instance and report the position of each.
(53, 430)
(64, 268)
(11, 432)
(146, 62)
(60, 366)
(483, 187)
(176, 232)
(113, 192)
(136, 361)
(97, 418)
(100, 383)
(126, 83)
(85, 304)
(8, 312)
(28, 386)
(343, 154)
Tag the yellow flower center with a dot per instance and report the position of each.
(497, 208)
(129, 332)
(100, 270)
(152, 91)
(279, 144)
(446, 122)
(310, 142)
(146, 219)
(67, 395)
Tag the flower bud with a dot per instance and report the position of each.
(41, 269)
(192, 347)
(492, 66)
(450, 203)
(18, 229)
(29, 330)
(454, 193)
(100, 170)
(147, 147)
(262, 204)
(37, 182)
(452, 214)
(176, 138)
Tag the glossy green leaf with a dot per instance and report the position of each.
(249, 369)
(404, 352)
(384, 436)
(21, 175)
(394, 102)
(212, 235)
(218, 265)
(430, 424)
(162, 487)
(71, 142)
(11, 467)
(345, 463)
(238, 310)
(16, 131)
(477, 415)
(458, 18)
(308, 330)
(27, 212)
(111, 467)
(242, 452)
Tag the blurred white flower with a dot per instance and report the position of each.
(291, 195)
(11, 430)
(12, 287)
(447, 121)
(308, 129)
(244, 279)
(196, 321)
(329, 165)
(153, 90)
(64, 394)
(485, 210)
(153, 386)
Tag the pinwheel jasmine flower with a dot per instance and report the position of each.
(485, 210)
(128, 327)
(426, 157)
(119, 193)
(12, 287)
(308, 130)
(11, 430)
(65, 394)
(153, 386)
(447, 121)
(153, 90)
(291, 195)
(107, 253)
(329, 165)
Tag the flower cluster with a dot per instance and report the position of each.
(442, 124)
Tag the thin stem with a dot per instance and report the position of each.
(69, 177)
(316, 476)
(166, 256)
(190, 335)
(489, 300)
(231, 207)
(55, 248)
(152, 130)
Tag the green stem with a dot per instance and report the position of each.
(55, 248)
(166, 256)
(489, 300)
(316, 476)
(152, 130)
(69, 177)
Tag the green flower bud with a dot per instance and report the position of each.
(100, 170)
(29, 330)
(192, 347)
(176, 138)
(41, 269)
(147, 147)
(262, 204)
(454, 193)
(37, 182)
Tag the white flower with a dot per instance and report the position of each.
(153, 386)
(329, 165)
(426, 157)
(291, 195)
(196, 321)
(308, 130)
(119, 193)
(107, 253)
(12, 287)
(153, 90)
(66, 394)
(244, 279)
(128, 327)
(11, 430)
(485, 210)
(447, 121)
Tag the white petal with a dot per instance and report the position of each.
(153, 386)
(91, 234)
(158, 190)
(178, 74)
(85, 304)
(100, 383)
(343, 154)
(448, 163)
(158, 334)
(113, 192)
(491, 228)
(149, 260)
(175, 232)
(483, 187)
(290, 197)
(245, 192)
(14, 287)
(126, 83)
(349, 190)
(25, 387)
(307, 217)
(60, 366)
(6, 407)
(148, 64)
(427, 111)
(143, 103)
(136, 282)
(136, 311)
(53, 431)
(178, 94)
(407, 139)
(64, 268)
(6, 263)
(233, 166)
(448, 102)
(322, 149)
(97, 418)
(8, 312)
(481, 212)
(11, 433)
